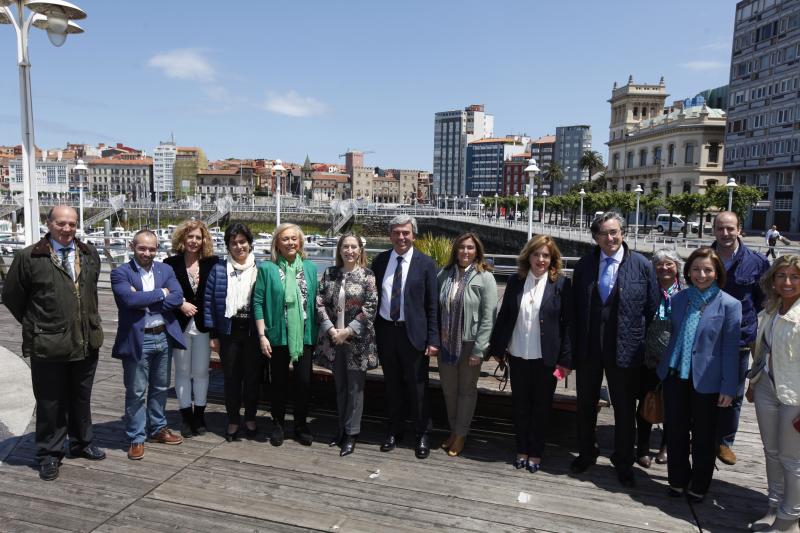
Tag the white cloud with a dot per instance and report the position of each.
(704, 65)
(183, 64)
(293, 105)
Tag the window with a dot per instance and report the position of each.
(713, 152)
(642, 158)
(688, 157)
(657, 155)
(687, 186)
(629, 160)
(671, 154)
(615, 161)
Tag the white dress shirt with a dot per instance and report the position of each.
(151, 320)
(388, 280)
(526, 341)
(614, 266)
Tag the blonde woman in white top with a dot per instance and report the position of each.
(775, 383)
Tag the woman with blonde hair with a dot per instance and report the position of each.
(775, 383)
(467, 304)
(193, 260)
(284, 306)
(533, 330)
(347, 301)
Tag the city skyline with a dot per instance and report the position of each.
(319, 79)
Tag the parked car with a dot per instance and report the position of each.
(662, 224)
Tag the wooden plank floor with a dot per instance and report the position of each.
(207, 484)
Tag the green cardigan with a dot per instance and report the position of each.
(269, 306)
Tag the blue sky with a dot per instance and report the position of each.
(282, 79)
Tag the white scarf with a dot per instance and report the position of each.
(241, 279)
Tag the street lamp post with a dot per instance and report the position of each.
(54, 16)
(530, 170)
(544, 208)
(516, 204)
(580, 220)
(638, 192)
(80, 173)
(731, 185)
(496, 215)
(480, 205)
(278, 168)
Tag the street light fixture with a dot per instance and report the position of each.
(480, 205)
(496, 216)
(731, 185)
(278, 168)
(530, 170)
(516, 203)
(638, 192)
(80, 171)
(580, 221)
(54, 16)
(544, 208)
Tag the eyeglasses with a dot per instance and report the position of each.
(611, 233)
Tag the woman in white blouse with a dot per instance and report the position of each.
(532, 330)
(775, 384)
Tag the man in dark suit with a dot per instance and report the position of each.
(615, 295)
(51, 289)
(147, 295)
(407, 331)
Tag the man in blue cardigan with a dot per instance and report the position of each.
(146, 293)
(615, 295)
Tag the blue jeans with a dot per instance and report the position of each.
(146, 378)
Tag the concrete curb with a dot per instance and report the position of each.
(16, 400)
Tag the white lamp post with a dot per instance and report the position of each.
(496, 215)
(54, 16)
(580, 220)
(80, 172)
(638, 192)
(530, 170)
(480, 205)
(544, 208)
(516, 204)
(278, 168)
(731, 185)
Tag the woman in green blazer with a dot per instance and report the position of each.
(284, 308)
(467, 303)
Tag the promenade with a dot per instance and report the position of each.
(207, 484)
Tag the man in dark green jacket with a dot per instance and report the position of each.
(51, 289)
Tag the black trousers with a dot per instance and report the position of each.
(623, 386)
(301, 383)
(405, 375)
(686, 412)
(243, 368)
(63, 393)
(532, 387)
(648, 382)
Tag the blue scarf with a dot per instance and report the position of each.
(665, 306)
(681, 360)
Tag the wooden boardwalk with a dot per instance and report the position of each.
(207, 484)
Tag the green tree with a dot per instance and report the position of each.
(554, 174)
(650, 203)
(744, 197)
(686, 204)
(591, 161)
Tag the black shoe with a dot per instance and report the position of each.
(582, 463)
(348, 445)
(624, 474)
(48, 470)
(390, 442)
(276, 438)
(251, 434)
(422, 449)
(533, 467)
(199, 426)
(90, 452)
(188, 421)
(337, 440)
(520, 462)
(233, 437)
(303, 435)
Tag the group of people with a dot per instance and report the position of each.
(683, 330)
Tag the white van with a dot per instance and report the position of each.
(662, 224)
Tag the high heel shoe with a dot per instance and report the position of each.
(234, 436)
(457, 446)
(520, 462)
(449, 442)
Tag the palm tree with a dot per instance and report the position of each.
(554, 173)
(591, 160)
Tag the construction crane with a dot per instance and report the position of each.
(356, 152)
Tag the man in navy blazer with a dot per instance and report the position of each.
(406, 330)
(147, 294)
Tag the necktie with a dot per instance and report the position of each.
(397, 290)
(606, 280)
(65, 264)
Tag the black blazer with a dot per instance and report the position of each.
(420, 297)
(178, 265)
(554, 321)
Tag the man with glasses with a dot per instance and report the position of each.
(615, 296)
(51, 289)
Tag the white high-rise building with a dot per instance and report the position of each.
(163, 164)
(452, 132)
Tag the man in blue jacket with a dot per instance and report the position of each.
(744, 268)
(147, 294)
(615, 295)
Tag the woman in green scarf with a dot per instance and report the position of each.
(285, 312)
